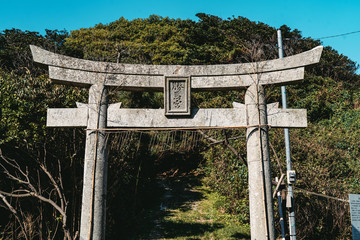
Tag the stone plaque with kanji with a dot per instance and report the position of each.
(177, 96)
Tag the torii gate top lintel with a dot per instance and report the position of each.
(69, 70)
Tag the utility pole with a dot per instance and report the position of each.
(290, 196)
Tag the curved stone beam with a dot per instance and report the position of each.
(52, 59)
(76, 71)
(156, 83)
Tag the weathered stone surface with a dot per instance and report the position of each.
(52, 59)
(245, 80)
(209, 117)
(258, 158)
(154, 118)
(156, 83)
(87, 78)
(70, 70)
(67, 117)
(177, 96)
(286, 118)
(93, 207)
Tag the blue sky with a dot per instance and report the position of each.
(313, 18)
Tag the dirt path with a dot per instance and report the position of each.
(177, 193)
(187, 210)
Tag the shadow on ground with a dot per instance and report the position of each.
(241, 236)
(174, 230)
(177, 193)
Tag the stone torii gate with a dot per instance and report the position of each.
(177, 82)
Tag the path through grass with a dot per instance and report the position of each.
(189, 210)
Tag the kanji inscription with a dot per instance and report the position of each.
(177, 96)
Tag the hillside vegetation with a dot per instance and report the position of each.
(49, 161)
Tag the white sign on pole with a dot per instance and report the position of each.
(355, 215)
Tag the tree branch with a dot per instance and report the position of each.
(33, 194)
(226, 143)
(14, 212)
(31, 191)
(276, 157)
(53, 182)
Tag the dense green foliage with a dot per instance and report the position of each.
(325, 155)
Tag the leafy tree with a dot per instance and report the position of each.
(15, 52)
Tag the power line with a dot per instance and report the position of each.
(339, 35)
(321, 195)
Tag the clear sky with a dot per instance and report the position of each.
(314, 18)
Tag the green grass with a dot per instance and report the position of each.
(202, 219)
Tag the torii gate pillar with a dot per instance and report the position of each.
(93, 210)
(259, 173)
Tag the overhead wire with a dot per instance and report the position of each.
(320, 195)
(338, 35)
